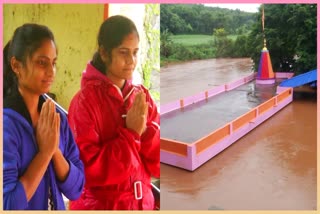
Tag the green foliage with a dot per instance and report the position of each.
(291, 34)
(151, 64)
(193, 39)
(199, 19)
(165, 43)
(290, 30)
(220, 33)
(241, 47)
(222, 44)
(184, 53)
(191, 47)
(210, 32)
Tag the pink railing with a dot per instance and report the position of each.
(165, 108)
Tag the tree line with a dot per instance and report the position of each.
(291, 34)
(290, 31)
(199, 19)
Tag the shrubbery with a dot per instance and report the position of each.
(219, 47)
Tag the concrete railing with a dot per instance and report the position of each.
(245, 119)
(191, 156)
(178, 104)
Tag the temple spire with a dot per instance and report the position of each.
(264, 36)
(265, 73)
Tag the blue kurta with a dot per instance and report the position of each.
(20, 147)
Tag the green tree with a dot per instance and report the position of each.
(165, 43)
(222, 44)
(291, 33)
(241, 47)
(200, 19)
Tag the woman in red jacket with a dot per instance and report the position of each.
(116, 125)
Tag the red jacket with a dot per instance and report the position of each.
(118, 162)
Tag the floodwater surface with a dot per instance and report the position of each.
(200, 119)
(273, 167)
(189, 78)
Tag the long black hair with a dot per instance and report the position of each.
(25, 41)
(111, 34)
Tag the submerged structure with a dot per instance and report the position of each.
(197, 128)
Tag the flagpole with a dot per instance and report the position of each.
(262, 19)
(265, 73)
(264, 36)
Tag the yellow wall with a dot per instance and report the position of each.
(75, 27)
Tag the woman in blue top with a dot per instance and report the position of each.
(40, 158)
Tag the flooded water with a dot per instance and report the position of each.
(185, 79)
(206, 116)
(272, 167)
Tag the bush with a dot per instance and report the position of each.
(181, 52)
(219, 47)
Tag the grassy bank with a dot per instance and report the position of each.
(180, 48)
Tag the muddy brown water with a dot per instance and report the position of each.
(200, 119)
(185, 79)
(271, 168)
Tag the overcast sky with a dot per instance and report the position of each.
(242, 7)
